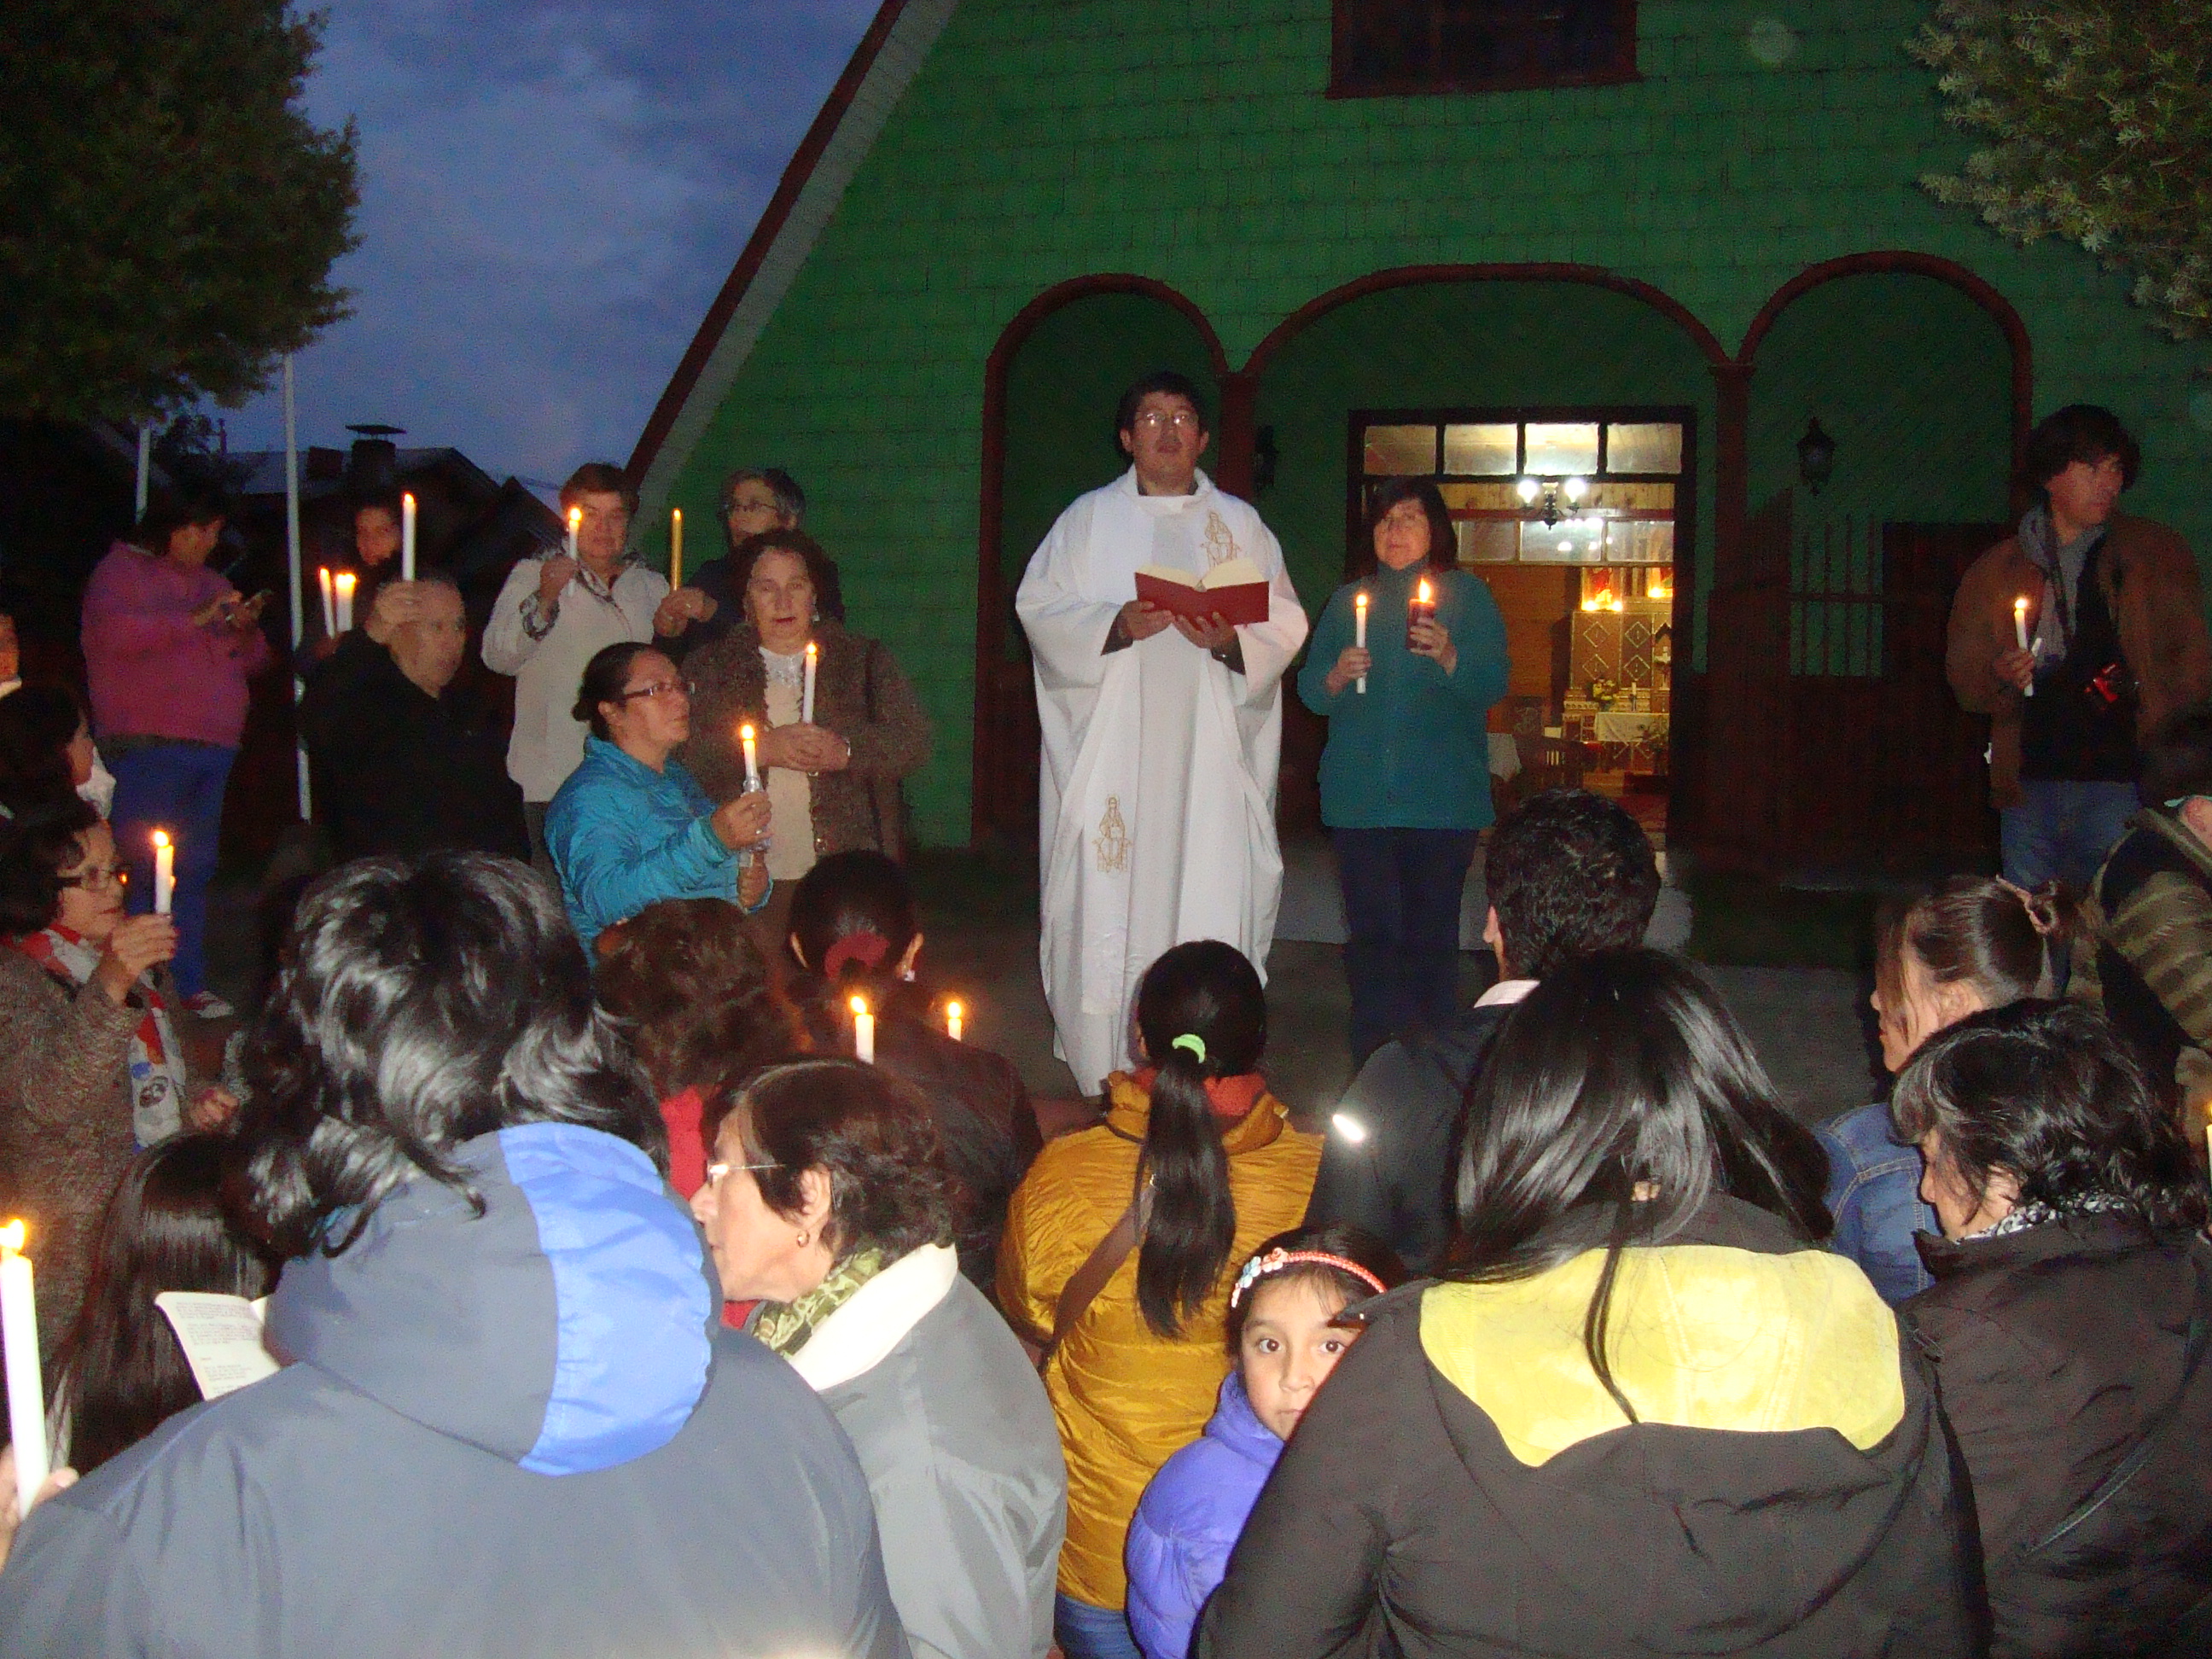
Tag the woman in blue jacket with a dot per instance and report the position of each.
(1287, 1329)
(631, 826)
(1405, 781)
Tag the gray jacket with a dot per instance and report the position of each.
(517, 1433)
(961, 1451)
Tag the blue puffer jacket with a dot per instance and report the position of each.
(1188, 1522)
(623, 836)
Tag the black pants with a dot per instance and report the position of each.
(1401, 899)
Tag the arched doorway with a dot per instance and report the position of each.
(1050, 390)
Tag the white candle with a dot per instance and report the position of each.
(2019, 632)
(864, 1032)
(330, 604)
(952, 1020)
(1359, 634)
(575, 524)
(27, 1386)
(753, 758)
(407, 538)
(165, 874)
(806, 695)
(676, 548)
(346, 581)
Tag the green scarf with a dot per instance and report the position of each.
(786, 1326)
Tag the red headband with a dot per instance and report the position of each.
(1260, 1267)
(869, 949)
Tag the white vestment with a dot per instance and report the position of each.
(1157, 793)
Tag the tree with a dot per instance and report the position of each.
(2100, 118)
(168, 214)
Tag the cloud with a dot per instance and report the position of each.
(552, 195)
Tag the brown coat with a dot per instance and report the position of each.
(64, 1124)
(2149, 579)
(859, 693)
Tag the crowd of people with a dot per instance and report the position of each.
(625, 1292)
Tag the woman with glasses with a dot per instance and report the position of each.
(829, 1201)
(89, 1063)
(631, 826)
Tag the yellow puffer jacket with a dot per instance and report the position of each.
(1126, 1398)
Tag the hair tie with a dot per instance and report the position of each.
(1192, 1045)
(868, 949)
(1275, 1261)
(2027, 901)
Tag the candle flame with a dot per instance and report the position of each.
(2019, 605)
(1424, 590)
(812, 648)
(676, 515)
(860, 1006)
(347, 581)
(953, 1011)
(11, 1237)
(575, 518)
(1360, 599)
(161, 838)
(746, 734)
(407, 498)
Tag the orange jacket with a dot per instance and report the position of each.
(1126, 1398)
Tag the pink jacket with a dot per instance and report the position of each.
(152, 673)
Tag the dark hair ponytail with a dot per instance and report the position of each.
(854, 916)
(1205, 990)
(604, 677)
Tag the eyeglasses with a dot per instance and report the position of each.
(662, 688)
(98, 875)
(716, 1171)
(1153, 421)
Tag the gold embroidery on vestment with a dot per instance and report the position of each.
(1113, 839)
(1220, 545)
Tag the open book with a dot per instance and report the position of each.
(221, 1337)
(1236, 590)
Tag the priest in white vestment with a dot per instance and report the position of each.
(1162, 736)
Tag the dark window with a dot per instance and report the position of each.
(1392, 46)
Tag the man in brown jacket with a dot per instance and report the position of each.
(2116, 641)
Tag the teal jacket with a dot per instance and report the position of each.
(623, 836)
(1414, 752)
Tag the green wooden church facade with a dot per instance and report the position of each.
(1011, 207)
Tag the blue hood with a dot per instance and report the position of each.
(1236, 1427)
(566, 1329)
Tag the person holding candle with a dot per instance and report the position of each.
(1405, 779)
(828, 1200)
(168, 649)
(855, 931)
(583, 1463)
(553, 615)
(2116, 642)
(709, 606)
(632, 826)
(2068, 1329)
(373, 534)
(833, 782)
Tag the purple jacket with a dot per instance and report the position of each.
(1188, 1522)
(152, 673)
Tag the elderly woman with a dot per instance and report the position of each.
(88, 1062)
(168, 646)
(706, 608)
(631, 826)
(827, 1198)
(2068, 1324)
(833, 781)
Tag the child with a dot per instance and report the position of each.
(1286, 1332)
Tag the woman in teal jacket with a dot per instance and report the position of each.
(1405, 781)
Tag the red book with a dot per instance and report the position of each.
(1234, 591)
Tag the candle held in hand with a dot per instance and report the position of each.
(407, 538)
(165, 874)
(1422, 609)
(575, 524)
(954, 1019)
(346, 582)
(2019, 632)
(807, 692)
(330, 604)
(752, 759)
(864, 1032)
(1359, 634)
(676, 547)
(27, 1386)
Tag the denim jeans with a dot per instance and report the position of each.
(176, 786)
(2063, 829)
(1401, 899)
(1874, 1193)
(1087, 1632)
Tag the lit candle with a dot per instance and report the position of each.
(676, 548)
(864, 1032)
(1423, 608)
(407, 538)
(165, 873)
(1359, 633)
(575, 524)
(806, 695)
(753, 760)
(27, 1385)
(2019, 632)
(952, 1020)
(330, 604)
(346, 582)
